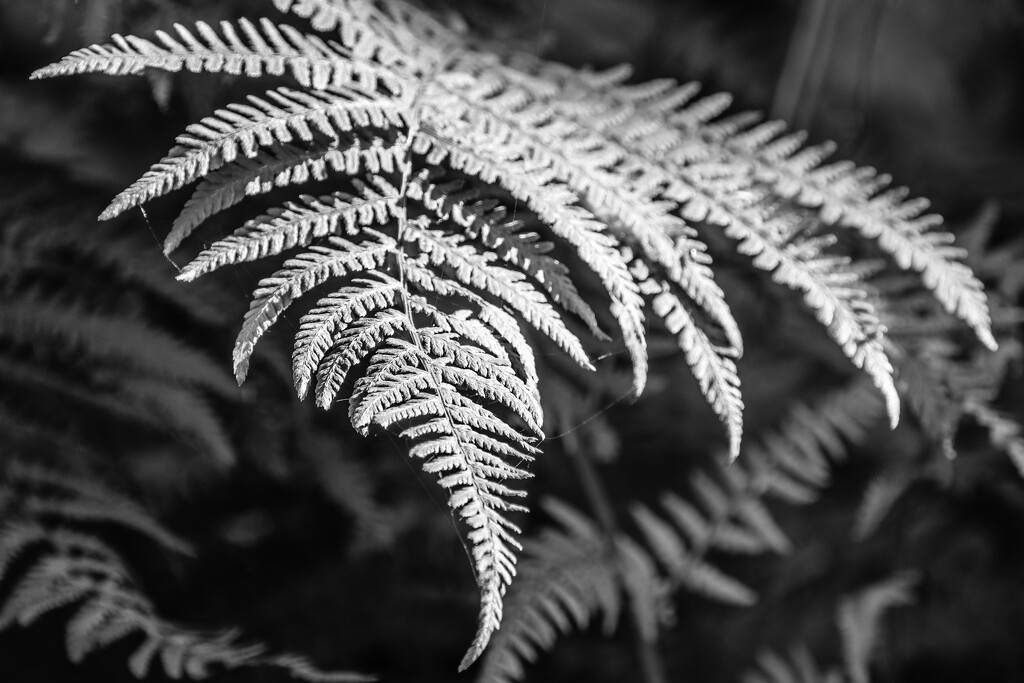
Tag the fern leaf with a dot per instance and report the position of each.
(859, 620)
(295, 225)
(422, 386)
(685, 568)
(555, 204)
(850, 196)
(566, 580)
(510, 286)
(78, 570)
(799, 667)
(298, 276)
(115, 340)
(273, 168)
(322, 328)
(280, 117)
(838, 299)
(714, 370)
(792, 461)
(485, 220)
(267, 48)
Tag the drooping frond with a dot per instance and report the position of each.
(857, 197)
(426, 393)
(710, 363)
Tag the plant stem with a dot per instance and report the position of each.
(651, 667)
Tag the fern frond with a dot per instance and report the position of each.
(159, 405)
(475, 270)
(533, 184)
(268, 48)
(686, 568)
(799, 667)
(78, 570)
(710, 364)
(298, 224)
(1005, 433)
(792, 461)
(566, 580)
(859, 620)
(280, 117)
(836, 295)
(44, 494)
(299, 275)
(277, 167)
(431, 280)
(854, 197)
(487, 221)
(117, 341)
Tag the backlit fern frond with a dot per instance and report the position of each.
(430, 141)
(46, 520)
(274, 168)
(249, 49)
(943, 379)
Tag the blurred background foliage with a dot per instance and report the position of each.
(319, 542)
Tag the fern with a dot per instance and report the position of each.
(72, 567)
(859, 619)
(435, 141)
(798, 667)
(569, 577)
